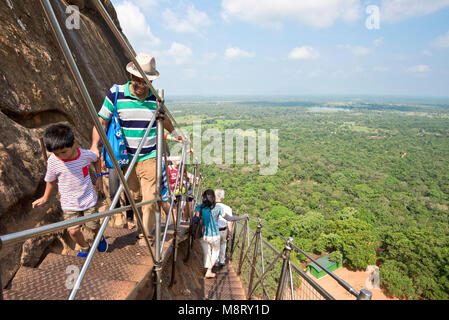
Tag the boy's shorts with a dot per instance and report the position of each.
(93, 225)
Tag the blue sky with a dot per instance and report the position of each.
(293, 47)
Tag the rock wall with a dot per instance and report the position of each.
(36, 90)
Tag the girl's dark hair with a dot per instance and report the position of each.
(58, 136)
(209, 198)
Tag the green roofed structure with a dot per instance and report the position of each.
(317, 272)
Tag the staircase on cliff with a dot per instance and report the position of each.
(125, 272)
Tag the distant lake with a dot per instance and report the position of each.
(329, 109)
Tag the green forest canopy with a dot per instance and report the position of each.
(371, 181)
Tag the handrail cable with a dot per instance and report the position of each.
(265, 272)
(339, 280)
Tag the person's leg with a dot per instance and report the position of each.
(223, 242)
(95, 227)
(215, 249)
(75, 231)
(165, 209)
(208, 260)
(134, 186)
(77, 236)
(114, 184)
(146, 174)
(186, 210)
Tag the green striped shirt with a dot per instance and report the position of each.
(134, 118)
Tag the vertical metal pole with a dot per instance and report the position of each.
(51, 17)
(195, 171)
(167, 222)
(179, 212)
(243, 248)
(159, 151)
(262, 260)
(284, 271)
(175, 234)
(234, 226)
(253, 264)
(292, 289)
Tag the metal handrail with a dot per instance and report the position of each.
(22, 235)
(51, 17)
(128, 48)
(57, 226)
(287, 265)
(172, 202)
(340, 281)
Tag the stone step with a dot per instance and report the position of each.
(46, 284)
(107, 269)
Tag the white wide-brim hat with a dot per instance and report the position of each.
(148, 64)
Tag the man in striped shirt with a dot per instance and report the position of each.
(136, 106)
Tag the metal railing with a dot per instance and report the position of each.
(271, 274)
(159, 117)
(257, 273)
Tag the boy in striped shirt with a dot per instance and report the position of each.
(68, 167)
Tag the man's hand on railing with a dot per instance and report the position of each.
(99, 185)
(176, 136)
(95, 150)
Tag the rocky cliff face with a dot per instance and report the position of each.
(36, 90)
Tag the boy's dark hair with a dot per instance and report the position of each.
(58, 136)
(209, 198)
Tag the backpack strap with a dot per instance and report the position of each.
(115, 101)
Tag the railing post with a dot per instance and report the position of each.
(364, 294)
(231, 250)
(239, 271)
(192, 211)
(159, 151)
(284, 271)
(253, 264)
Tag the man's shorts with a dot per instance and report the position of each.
(93, 225)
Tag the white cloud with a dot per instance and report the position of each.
(238, 53)
(381, 69)
(192, 21)
(393, 11)
(148, 3)
(304, 52)
(135, 27)
(427, 53)
(356, 50)
(419, 68)
(442, 41)
(209, 55)
(378, 42)
(180, 53)
(315, 13)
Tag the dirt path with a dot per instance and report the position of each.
(356, 279)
